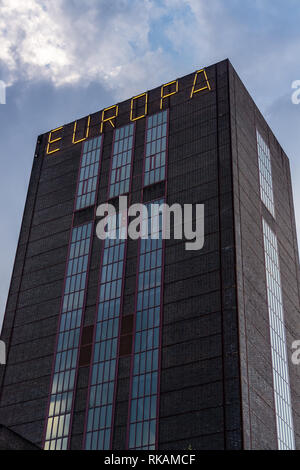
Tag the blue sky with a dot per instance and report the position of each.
(67, 58)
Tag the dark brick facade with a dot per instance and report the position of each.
(255, 352)
(216, 372)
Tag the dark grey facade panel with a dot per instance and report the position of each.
(256, 363)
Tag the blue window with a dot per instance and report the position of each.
(104, 363)
(121, 161)
(282, 394)
(89, 173)
(145, 367)
(156, 148)
(63, 381)
(265, 174)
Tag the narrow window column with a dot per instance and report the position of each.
(145, 367)
(282, 394)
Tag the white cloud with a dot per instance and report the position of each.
(89, 43)
(256, 40)
(76, 42)
(31, 39)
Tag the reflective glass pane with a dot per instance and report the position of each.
(265, 174)
(68, 340)
(104, 357)
(88, 173)
(144, 387)
(156, 142)
(285, 429)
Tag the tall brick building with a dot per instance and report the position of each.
(142, 344)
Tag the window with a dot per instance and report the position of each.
(63, 380)
(104, 363)
(145, 367)
(121, 161)
(265, 174)
(156, 148)
(88, 174)
(284, 420)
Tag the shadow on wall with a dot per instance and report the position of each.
(10, 440)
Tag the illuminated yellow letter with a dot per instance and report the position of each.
(86, 134)
(163, 96)
(51, 141)
(110, 118)
(206, 87)
(132, 107)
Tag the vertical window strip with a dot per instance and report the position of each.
(282, 395)
(265, 174)
(64, 375)
(103, 377)
(156, 148)
(143, 406)
(121, 161)
(88, 173)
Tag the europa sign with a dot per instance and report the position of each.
(138, 110)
